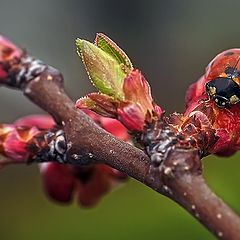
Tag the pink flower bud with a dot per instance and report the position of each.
(225, 121)
(39, 121)
(8, 52)
(89, 184)
(131, 116)
(58, 181)
(134, 110)
(15, 143)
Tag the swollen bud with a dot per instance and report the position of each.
(104, 70)
(8, 53)
(124, 92)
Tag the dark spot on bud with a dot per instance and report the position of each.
(6, 52)
(228, 53)
(232, 71)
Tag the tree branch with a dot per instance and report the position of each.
(179, 176)
(182, 181)
(81, 132)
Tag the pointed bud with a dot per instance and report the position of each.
(126, 95)
(104, 70)
(136, 108)
(136, 89)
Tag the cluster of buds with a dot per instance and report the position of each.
(62, 182)
(29, 139)
(125, 94)
(37, 138)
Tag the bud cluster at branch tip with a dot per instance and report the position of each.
(124, 93)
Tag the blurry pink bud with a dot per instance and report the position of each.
(131, 116)
(89, 184)
(15, 143)
(58, 181)
(115, 128)
(8, 52)
(39, 121)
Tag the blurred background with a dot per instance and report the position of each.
(171, 42)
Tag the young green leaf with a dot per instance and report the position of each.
(110, 47)
(103, 69)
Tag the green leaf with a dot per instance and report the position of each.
(110, 47)
(105, 72)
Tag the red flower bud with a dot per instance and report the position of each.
(225, 121)
(131, 116)
(89, 184)
(115, 128)
(58, 181)
(16, 141)
(196, 91)
(134, 110)
(39, 121)
(8, 52)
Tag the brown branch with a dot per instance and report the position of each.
(182, 181)
(84, 136)
(179, 177)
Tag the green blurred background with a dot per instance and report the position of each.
(171, 42)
